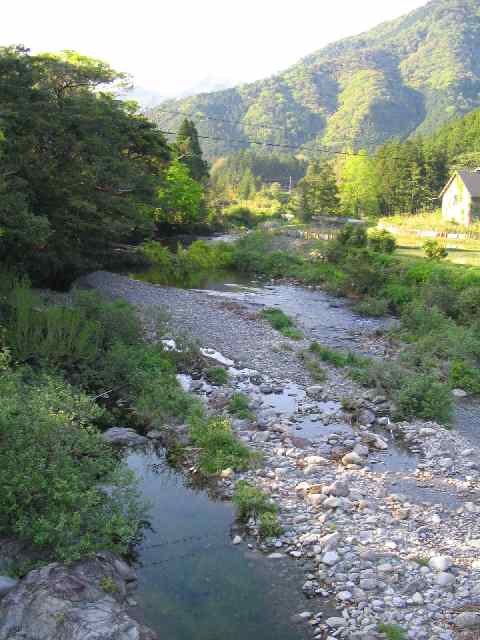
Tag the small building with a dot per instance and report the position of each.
(461, 198)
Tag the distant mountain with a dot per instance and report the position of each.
(403, 77)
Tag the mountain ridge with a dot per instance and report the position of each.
(405, 76)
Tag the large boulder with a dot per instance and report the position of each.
(83, 601)
(123, 436)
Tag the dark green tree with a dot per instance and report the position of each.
(80, 170)
(317, 192)
(190, 152)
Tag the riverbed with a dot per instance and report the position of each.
(223, 316)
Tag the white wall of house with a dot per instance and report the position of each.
(457, 203)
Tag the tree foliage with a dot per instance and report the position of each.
(80, 169)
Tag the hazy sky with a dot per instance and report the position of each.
(171, 45)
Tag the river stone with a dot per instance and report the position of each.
(444, 579)
(338, 488)
(366, 417)
(352, 458)
(123, 436)
(315, 499)
(336, 622)
(315, 391)
(6, 585)
(330, 558)
(440, 563)
(467, 620)
(63, 602)
(459, 393)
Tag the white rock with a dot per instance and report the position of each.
(417, 599)
(440, 563)
(344, 596)
(275, 556)
(459, 393)
(330, 558)
(332, 502)
(237, 540)
(227, 473)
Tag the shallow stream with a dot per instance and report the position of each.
(194, 583)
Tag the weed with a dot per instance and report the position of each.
(392, 631)
(108, 585)
(239, 406)
(281, 322)
(220, 449)
(423, 561)
(217, 375)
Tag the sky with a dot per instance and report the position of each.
(173, 47)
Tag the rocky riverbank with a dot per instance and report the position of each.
(382, 517)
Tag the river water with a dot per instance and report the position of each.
(193, 582)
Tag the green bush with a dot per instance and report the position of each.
(240, 217)
(382, 241)
(217, 375)
(220, 449)
(469, 304)
(423, 396)
(463, 375)
(434, 250)
(251, 502)
(270, 527)
(53, 465)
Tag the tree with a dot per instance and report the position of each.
(247, 187)
(359, 186)
(190, 152)
(180, 199)
(317, 192)
(80, 169)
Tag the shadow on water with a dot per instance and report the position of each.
(193, 582)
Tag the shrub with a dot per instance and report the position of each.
(161, 256)
(220, 449)
(464, 376)
(240, 216)
(51, 468)
(350, 237)
(270, 527)
(469, 304)
(217, 375)
(423, 396)
(251, 502)
(381, 241)
(434, 250)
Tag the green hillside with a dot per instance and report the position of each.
(403, 77)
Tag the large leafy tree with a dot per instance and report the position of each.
(80, 170)
(190, 151)
(180, 199)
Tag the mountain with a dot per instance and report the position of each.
(405, 76)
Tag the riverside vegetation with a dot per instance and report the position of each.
(438, 304)
(78, 366)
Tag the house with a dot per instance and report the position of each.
(461, 198)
